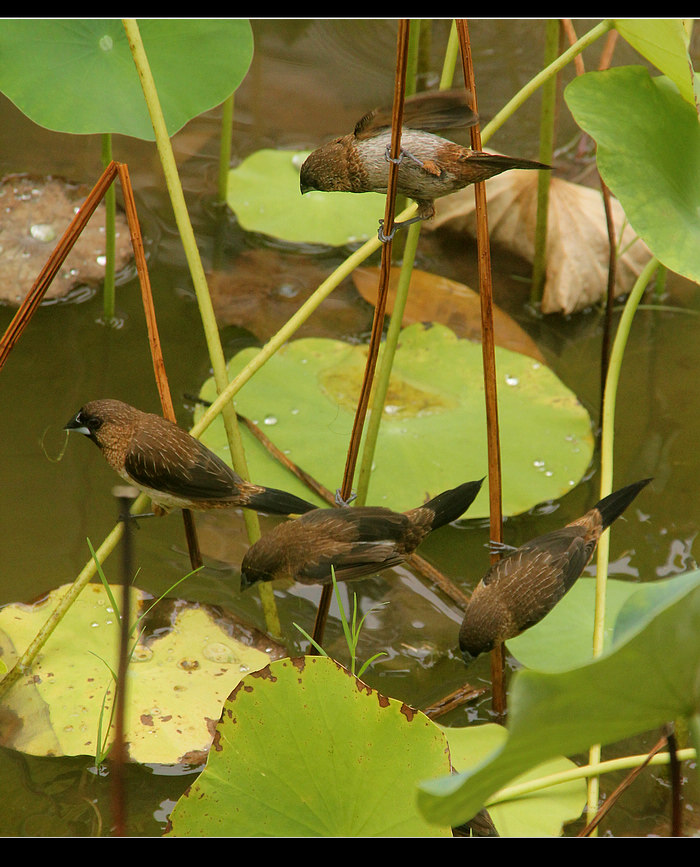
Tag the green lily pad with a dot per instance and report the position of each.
(178, 678)
(641, 683)
(303, 748)
(564, 638)
(648, 154)
(263, 192)
(664, 42)
(433, 433)
(78, 75)
(541, 813)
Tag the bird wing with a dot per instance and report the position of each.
(354, 561)
(429, 110)
(359, 523)
(179, 467)
(538, 574)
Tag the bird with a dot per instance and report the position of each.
(429, 166)
(353, 540)
(521, 588)
(174, 468)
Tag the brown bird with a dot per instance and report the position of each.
(430, 166)
(523, 587)
(355, 541)
(171, 466)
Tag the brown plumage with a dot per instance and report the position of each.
(354, 540)
(523, 587)
(170, 465)
(430, 166)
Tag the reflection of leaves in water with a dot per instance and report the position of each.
(36, 213)
(266, 287)
(578, 249)
(432, 298)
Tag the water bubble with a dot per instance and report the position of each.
(511, 380)
(42, 232)
(270, 419)
(287, 290)
(101, 260)
(106, 43)
(219, 652)
(141, 654)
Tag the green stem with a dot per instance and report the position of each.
(110, 199)
(381, 385)
(409, 255)
(547, 116)
(225, 147)
(450, 61)
(526, 92)
(606, 477)
(206, 310)
(510, 793)
(25, 661)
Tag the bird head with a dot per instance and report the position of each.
(325, 169)
(100, 419)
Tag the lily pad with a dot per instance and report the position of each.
(664, 42)
(648, 153)
(433, 432)
(542, 813)
(178, 678)
(303, 748)
(564, 638)
(89, 63)
(263, 192)
(646, 679)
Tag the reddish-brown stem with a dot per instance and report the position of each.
(380, 307)
(489, 360)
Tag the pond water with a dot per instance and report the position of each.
(308, 81)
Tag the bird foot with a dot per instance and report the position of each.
(384, 238)
(339, 501)
(498, 547)
(400, 158)
(135, 518)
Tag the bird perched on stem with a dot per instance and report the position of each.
(355, 541)
(171, 466)
(524, 586)
(429, 166)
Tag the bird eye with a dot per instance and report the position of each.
(91, 422)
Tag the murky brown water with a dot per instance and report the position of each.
(309, 80)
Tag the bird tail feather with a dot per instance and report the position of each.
(503, 162)
(276, 502)
(450, 505)
(612, 506)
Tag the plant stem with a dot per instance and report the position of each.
(384, 376)
(538, 80)
(510, 793)
(206, 310)
(225, 147)
(110, 200)
(606, 477)
(547, 116)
